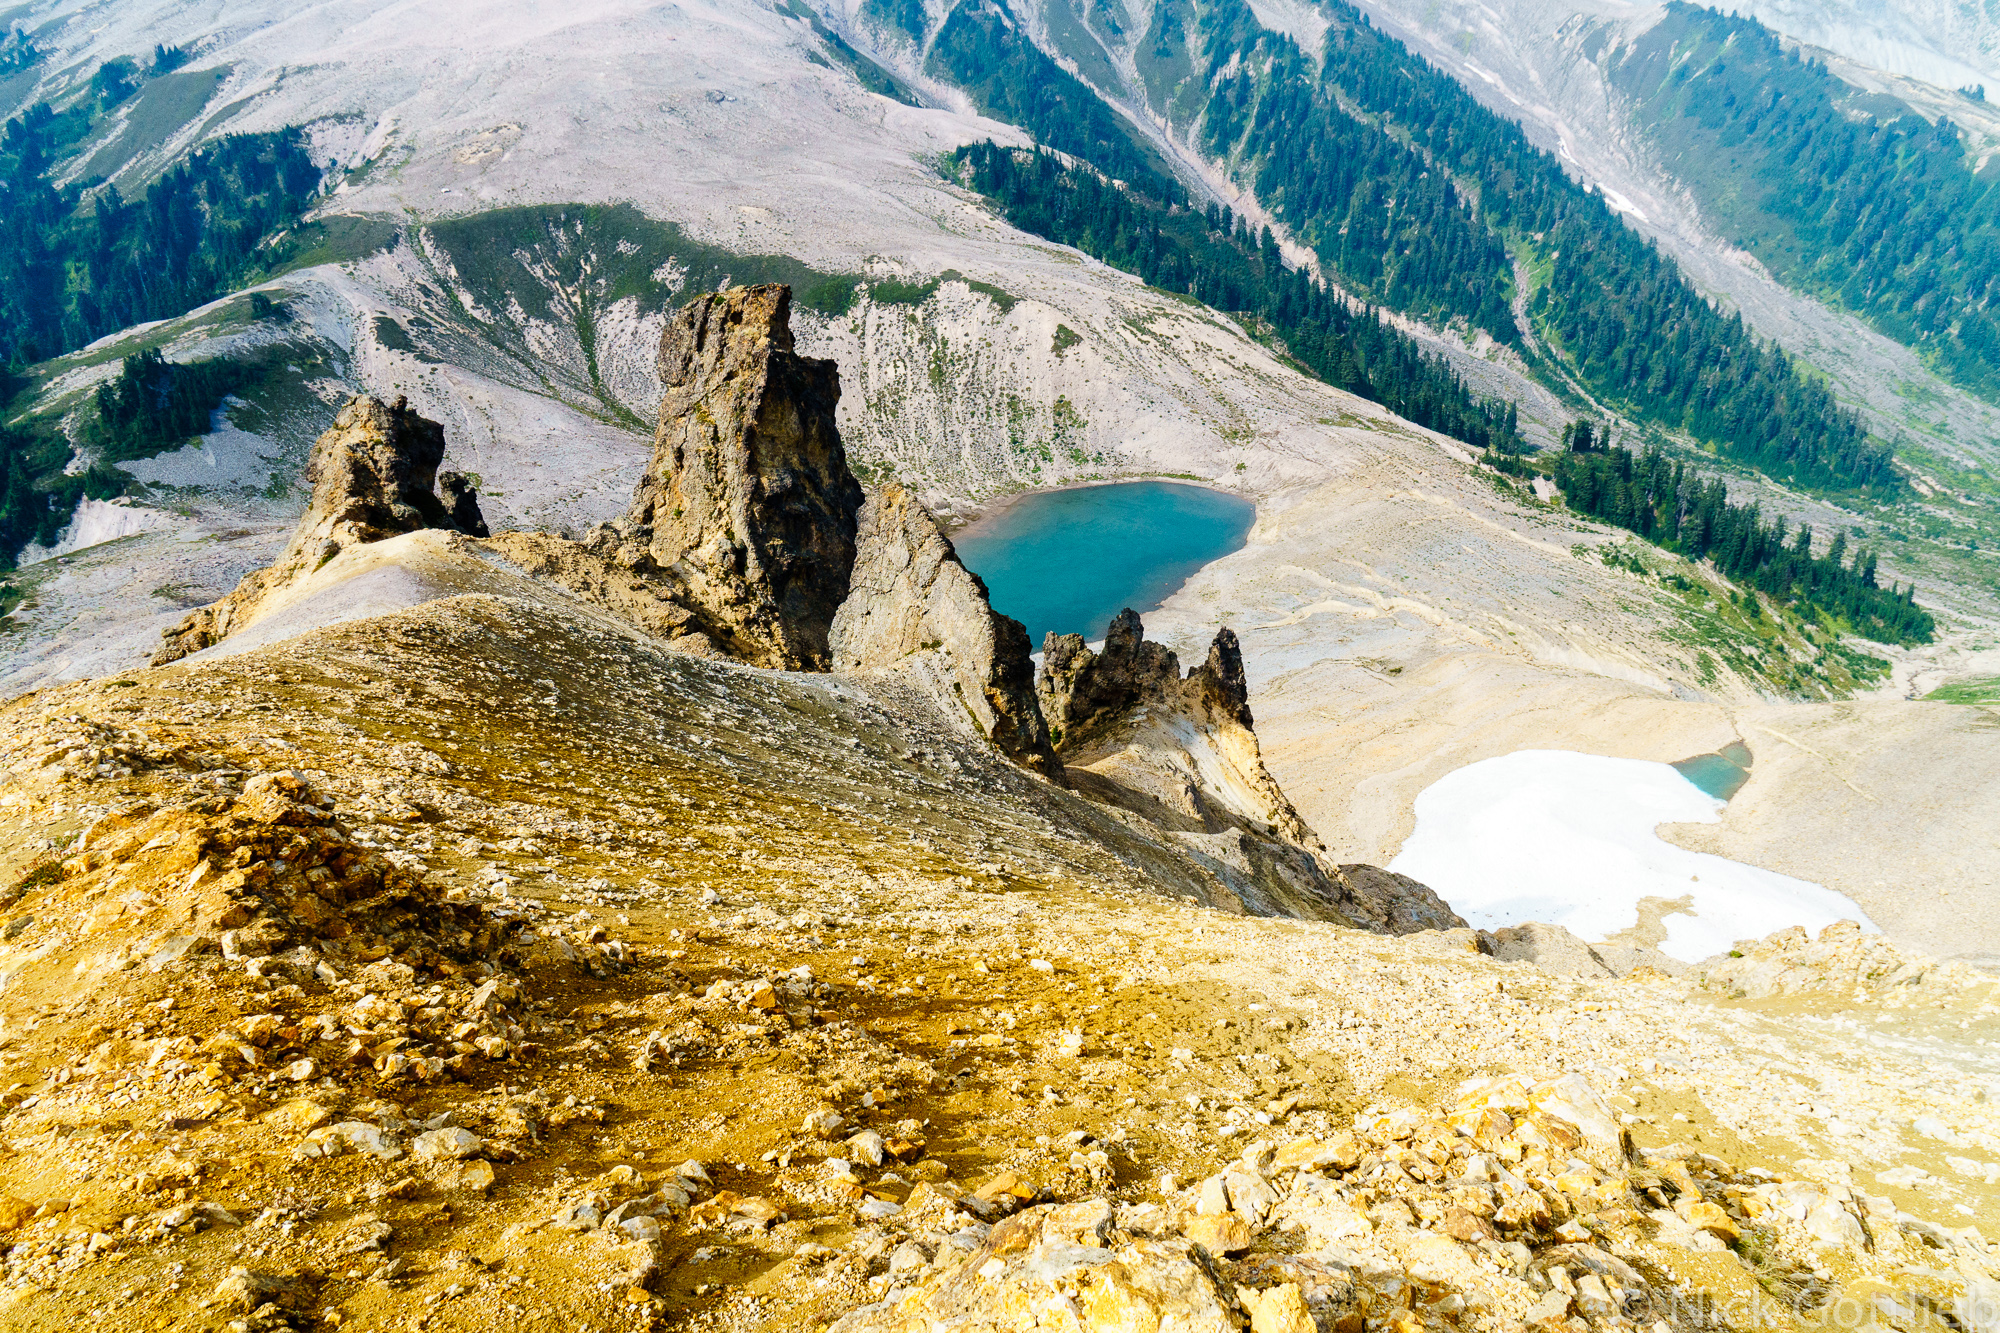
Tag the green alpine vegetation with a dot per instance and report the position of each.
(1882, 215)
(1213, 257)
(155, 404)
(869, 74)
(36, 497)
(1412, 193)
(75, 266)
(79, 261)
(1669, 504)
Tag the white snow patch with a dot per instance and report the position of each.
(99, 521)
(1568, 839)
(1621, 204)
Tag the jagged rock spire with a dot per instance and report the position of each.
(748, 503)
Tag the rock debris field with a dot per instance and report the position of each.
(483, 967)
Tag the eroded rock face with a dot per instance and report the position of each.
(1844, 960)
(1082, 690)
(373, 475)
(461, 503)
(913, 606)
(1184, 749)
(1181, 751)
(748, 504)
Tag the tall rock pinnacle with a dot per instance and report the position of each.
(748, 502)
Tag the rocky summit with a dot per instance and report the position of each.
(482, 932)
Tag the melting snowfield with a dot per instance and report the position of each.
(1548, 835)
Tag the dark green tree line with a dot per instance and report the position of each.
(983, 49)
(73, 270)
(77, 264)
(1215, 258)
(1670, 504)
(1406, 186)
(1882, 215)
(155, 404)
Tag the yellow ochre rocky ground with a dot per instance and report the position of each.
(481, 966)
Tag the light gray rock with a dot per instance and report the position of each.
(912, 605)
(868, 1148)
(354, 1136)
(1561, 951)
(447, 1145)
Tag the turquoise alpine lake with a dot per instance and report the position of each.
(1070, 560)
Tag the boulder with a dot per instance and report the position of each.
(748, 504)
(913, 607)
(1551, 948)
(1038, 1262)
(461, 503)
(373, 475)
(1561, 951)
(1392, 904)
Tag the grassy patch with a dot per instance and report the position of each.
(894, 291)
(339, 238)
(509, 270)
(1977, 691)
(833, 297)
(1000, 296)
(393, 335)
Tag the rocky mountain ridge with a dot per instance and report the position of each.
(748, 1061)
(743, 543)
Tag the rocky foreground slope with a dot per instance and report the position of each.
(409, 974)
(448, 946)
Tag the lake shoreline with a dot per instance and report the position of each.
(999, 507)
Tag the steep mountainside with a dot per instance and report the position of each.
(1543, 65)
(529, 823)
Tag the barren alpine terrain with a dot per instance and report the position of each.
(526, 821)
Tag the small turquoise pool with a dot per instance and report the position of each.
(1721, 775)
(1070, 560)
